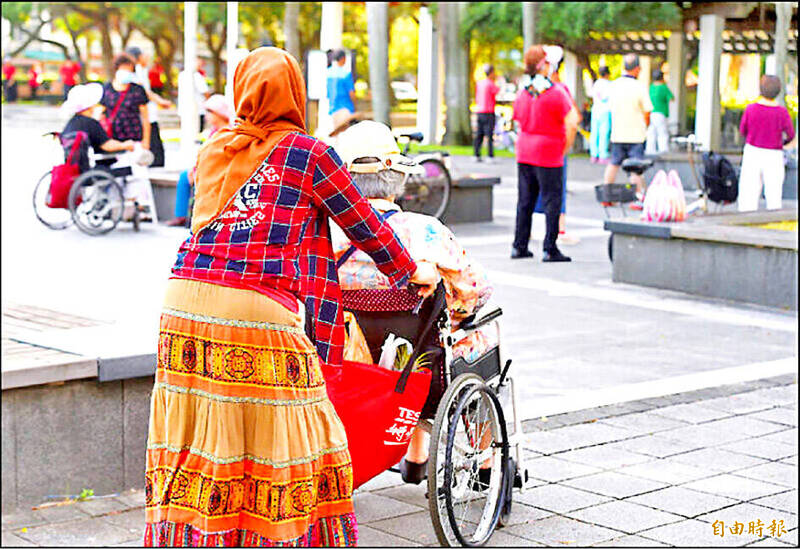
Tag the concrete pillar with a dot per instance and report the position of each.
(232, 39)
(707, 120)
(528, 25)
(676, 59)
(427, 76)
(571, 73)
(783, 13)
(378, 32)
(190, 120)
(330, 37)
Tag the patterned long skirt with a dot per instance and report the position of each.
(244, 447)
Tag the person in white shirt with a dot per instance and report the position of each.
(601, 118)
(199, 87)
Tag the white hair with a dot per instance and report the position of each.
(383, 184)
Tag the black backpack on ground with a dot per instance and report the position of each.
(720, 178)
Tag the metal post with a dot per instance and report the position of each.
(427, 76)
(330, 37)
(783, 13)
(232, 39)
(528, 25)
(707, 120)
(190, 122)
(378, 32)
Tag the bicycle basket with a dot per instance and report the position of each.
(615, 192)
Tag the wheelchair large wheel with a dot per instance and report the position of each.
(468, 431)
(54, 218)
(428, 193)
(96, 202)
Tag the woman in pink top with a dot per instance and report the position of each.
(548, 123)
(764, 124)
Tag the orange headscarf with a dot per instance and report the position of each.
(269, 95)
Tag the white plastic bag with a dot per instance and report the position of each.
(389, 350)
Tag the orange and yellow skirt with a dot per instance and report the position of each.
(244, 447)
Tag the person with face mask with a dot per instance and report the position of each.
(126, 104)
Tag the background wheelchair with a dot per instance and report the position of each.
(96, 201)
(470, 428)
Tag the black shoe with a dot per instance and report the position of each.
(520, 254)
(413, 473)
(554, 256)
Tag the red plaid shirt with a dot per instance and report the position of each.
(274, 234)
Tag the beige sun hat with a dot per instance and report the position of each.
(373, 139)
(82, 97)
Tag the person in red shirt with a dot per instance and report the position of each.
(154, 75)
(34, 79)
(485, 94)
(548, 124)
(9, 86)
(68, 71)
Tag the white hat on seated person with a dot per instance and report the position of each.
(220, 106)
(82, 97)
(373, 139)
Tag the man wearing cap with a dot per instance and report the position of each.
(371, 154)
(80, 105)
(630, 116)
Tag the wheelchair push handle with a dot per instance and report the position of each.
(469, 323)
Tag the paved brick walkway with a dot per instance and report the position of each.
(655, 472)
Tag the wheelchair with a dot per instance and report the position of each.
(470, 428)
(96, 201)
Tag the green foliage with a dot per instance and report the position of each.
(86, 493)
(17, 13)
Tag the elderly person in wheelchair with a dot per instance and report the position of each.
(373, 158)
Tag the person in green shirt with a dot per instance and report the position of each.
(657, 132)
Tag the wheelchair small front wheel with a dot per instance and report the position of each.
(53, 218)
(96, 202)
(468, 464)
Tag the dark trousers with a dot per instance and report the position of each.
(533, 180)
(156, 146)
(66, 91)
(485, 128)
(202, 122)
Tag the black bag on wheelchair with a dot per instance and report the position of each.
(720, 178)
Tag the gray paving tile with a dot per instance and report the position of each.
(561, 531)
(657, 446)
(717, 459)
(708, 435)
(521, 512)
(624, 516)
(555, 470)
(747, 425)
(694, 533)
(132, 520)
(614, 484)
(559, 499)
(370, 507)
(502, 538)
(96, 507)
(10, 540)
(589, 434)
(790, 460)
(550, 442)
(769, 542)
(21, 519)
(743, 489)
(667, 471)
(132, 498)
(784, 416)
(765, 449)
(782, 395)
(384, 480)
(786, 436)
(680, 501)
(407, 493)
(690, 413)
(415, 527)
(61, 513)
(776, 473)
(604, 456)
(644, 422)
(131, 543)
(370, 537)
(90, 532)
(785, 501)
(745, 513)
(630, 541)
(743, 403)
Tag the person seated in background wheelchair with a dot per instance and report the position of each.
(83, 108)
(373, 158)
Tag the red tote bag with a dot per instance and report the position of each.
(63, 176)
(378, 420)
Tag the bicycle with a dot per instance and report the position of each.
(429, 193)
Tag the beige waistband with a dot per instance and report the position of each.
(203, 298)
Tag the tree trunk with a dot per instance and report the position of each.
(378, 32)
(456, 81)
(783, 12)
(108, 50)
(528, 25)
(291, 31)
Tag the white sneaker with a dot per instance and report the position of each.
(476, 158)
(489, 160)
(567, 239)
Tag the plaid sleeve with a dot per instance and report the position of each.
(336, 194)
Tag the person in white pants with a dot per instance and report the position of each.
(657, 131)
(764, 125)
